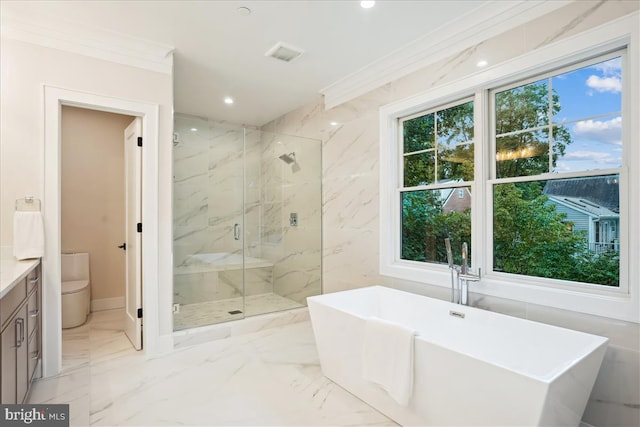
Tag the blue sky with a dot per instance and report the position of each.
(584, 93)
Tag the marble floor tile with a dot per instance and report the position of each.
(268, 378)
(211, 312)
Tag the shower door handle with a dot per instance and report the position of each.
(236, 231)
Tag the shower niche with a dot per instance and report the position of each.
(236, 251)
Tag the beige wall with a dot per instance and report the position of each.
(93, 197)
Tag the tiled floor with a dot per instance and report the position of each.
(211, 312)
(269, 378)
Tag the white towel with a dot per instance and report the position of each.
(387, 358)
(28, 235)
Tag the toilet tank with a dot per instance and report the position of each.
(75, 266)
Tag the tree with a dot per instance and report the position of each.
(530, 237)
(425, 226)
(523, 117)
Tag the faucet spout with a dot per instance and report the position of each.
(454, 293)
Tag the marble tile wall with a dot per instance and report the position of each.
(350, 184)
(289, 189)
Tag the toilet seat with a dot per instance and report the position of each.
(73, 286)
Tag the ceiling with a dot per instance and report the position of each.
(220, 52)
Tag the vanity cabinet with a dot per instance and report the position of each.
(20, 343)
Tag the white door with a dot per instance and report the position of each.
(133, 237)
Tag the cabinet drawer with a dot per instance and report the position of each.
(33, 279)
(10, 302)
(33, 311)
(34, 352)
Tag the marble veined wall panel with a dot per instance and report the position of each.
(292, 188)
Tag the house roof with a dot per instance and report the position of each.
(599, 191)
(584, 206)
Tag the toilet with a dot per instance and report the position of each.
(76, 290)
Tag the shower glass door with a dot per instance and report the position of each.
(247, 222)
(208, 204)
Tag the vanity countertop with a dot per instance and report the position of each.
(12, 271)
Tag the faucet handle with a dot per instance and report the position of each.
(469, 277)
(447, 243)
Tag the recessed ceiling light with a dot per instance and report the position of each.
(228, 100)
(482, 63)
(367, 4)
(194, 130)
(333, 123)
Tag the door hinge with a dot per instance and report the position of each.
(139, 313)
(139, 227)
(139, 141)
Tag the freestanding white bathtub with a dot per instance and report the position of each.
(481, 369)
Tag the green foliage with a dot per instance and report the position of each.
(447, 135)
(603, 268)
(425, 226)
(530, 237)
(520, 112)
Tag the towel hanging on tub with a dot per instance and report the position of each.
(28, 235)
(387, 357)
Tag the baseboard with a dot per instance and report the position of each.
(107, 303)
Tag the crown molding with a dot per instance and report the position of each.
(488, 20)
(89, 41)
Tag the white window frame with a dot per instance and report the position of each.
(620, 303)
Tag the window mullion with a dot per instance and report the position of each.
(482, 159)
(550, 124)
(435, 144)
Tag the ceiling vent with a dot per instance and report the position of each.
(284, 52)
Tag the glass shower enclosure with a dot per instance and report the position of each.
(247, 221)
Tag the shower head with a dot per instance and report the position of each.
(288, 158)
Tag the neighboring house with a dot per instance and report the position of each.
(455, 199)
(591, 205)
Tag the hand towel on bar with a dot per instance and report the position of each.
(387, 357)
(28, 235)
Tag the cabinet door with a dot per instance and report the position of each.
(33, 323)
(22, 354)
(9, 340)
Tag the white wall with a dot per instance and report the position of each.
(351, 200)
(25, 69)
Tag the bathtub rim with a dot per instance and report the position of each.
(598, 342)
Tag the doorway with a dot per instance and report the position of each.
(100, 207)
(54, 98)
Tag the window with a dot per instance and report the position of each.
(548, 198)
(438, 162)
(569, 125)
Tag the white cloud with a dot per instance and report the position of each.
(605, 84)
(609, 78)
(612, 67)
(593, 156)
(608, 132)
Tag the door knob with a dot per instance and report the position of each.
(123, 246)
